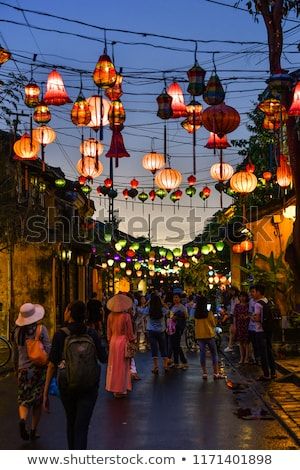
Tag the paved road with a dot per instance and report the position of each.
(176, 411)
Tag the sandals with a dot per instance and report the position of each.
(204, 376)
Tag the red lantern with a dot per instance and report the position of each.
(81, 114)
(105, 74)
(196, 77)
(206, 191)
(130, 253)
(216, 142)
(267, 175)
(56, 94)
(178, 106)
(295, 108)
(82, 180)
(99, 190)
(164, 101)
(152, 194)
(108, 182)
(237, 248)
(178, 194)
(42, 113)
(32, 95)
(250, 167)
(134, 183)
(117, 147)
(192, 180)
(116, 115)
(221, 119)
(115, 92)
(284, 173)
(125, 194)
(247, 245)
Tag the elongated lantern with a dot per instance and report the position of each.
(196, 77)
(178, 105)
(220, 119)
(164, 101)
(42, 113)
(56, 94)
(99, 108)
(105, 74)
(116, 115)
(284, 173)
(5, 55)
(214, 92)
(80, 113)
(32, 95)
(295, 107)
(117, 147)
(115, 92)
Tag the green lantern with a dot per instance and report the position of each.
(190, 251)
(60, 183)
(86, 189)
(107, 237)
(122, 265)
(205, 250)
(147, 248)
(135, 246)
(143, 197)
(190, 191)
(161, 193)
(196, 250)
(162, 252)
(220, 246)
(169, 255)
(118, 246)
(174, 197)
(177, 251)
(211, 247)
(122, 242)
(137, 265)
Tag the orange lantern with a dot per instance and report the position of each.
(250, 167)
(91, 148)
(116, 115)
(56, 94)
(267, 175)
(42, 113)
(243, 182)
(105, 74)
(206, 191)
(80, 113)
(271, 124)
(134, 183)
(99, 108)
(220, 119)
(216, 142)
(153, 161)
(115, 92)
(221, 172)
(89, 168)
(168, 178)
(194, 112)
(44, 135)
(284, 173)
(187, 126)
(271, 106)
(178, 105)
(246, 245)
(237, 248)
(32, 95)
(5, 55)
(26, 148)
(295, 107)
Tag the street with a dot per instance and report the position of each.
(173, 411)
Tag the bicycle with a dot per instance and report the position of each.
(5, 351)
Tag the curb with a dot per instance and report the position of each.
(273, 406)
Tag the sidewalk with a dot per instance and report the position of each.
(281, 396)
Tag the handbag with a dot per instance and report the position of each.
(35, 349)
(130, 349)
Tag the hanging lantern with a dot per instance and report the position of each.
(162, 252)
(26, 148)
(161, 193)
(135, 246)
(99, 190)
(32, 95)
(205, 250)
(250, 167)
(214, 93)
(246, 245)
(267, 175)
(80, 113)
(271, 124)
(220, 119)
(112, 193)
(177, 252)
(108, 183)
(190, 191)
(123, 242)
(271, 106)
(190, 251)
(174, 197)
(88, 167)
(105, 74)
(130, 253)
(56, 94)
(117, 147)
(125, 194)
(60, 183)
(177, 104)
(216, 142)
(116, 115)
(153, 161)
(44, 135)
(190, 128)
(219, 246)
(194, 113)
(5, 55)
(164, 101)
(178, 194)
(115, 92)
(86, 189)
(42, 113)
(196, 77)
(284, 173)
(82, 180)
(97, 111)
(206, 191)
(221, 172)
(143, 197)
(91, 148)
(295, 107)
(134, 183)
(243, 182)
(192, 180)
(152, 195)
(133, 193)
(168, 178)
(237, 248)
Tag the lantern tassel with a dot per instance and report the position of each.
(194, 142)
(43, 158)
(165, 142)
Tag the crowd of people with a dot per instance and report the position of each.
(112, 331)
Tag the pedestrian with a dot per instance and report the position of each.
(179, 314)
(252, 329)
(31, 376)
(240, 323)
(156, 327)
(205, 324)
(120, 337)
(95, 313)
(234, 299)
(140, 320)
(74, 357)
(264, 330)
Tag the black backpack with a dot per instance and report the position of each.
(267, 316)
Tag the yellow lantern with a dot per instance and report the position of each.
(91, 148)
(284, 172)
(243, 182)
(32, 95)
(96, 110)
(44, 135)
(153, 161)
(168, 178)
(221, 172)
(5, 55)
(26, 148)
(105, 74)
(80, 113)
(88, 167)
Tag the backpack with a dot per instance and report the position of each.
(267, 316)
(35, 349)
(80, 368)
